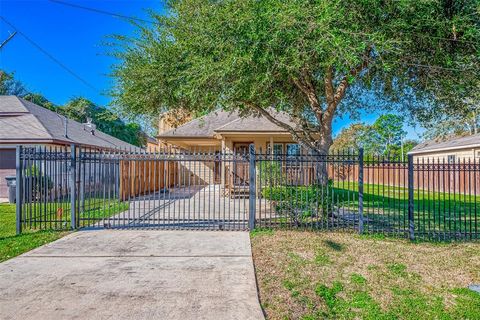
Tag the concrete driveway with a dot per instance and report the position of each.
(137, 274)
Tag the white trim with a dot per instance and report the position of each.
(468, 146)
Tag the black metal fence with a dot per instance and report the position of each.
(70, 187)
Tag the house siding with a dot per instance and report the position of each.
(460, 155)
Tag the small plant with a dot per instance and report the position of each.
(301, 204)
(271, 174)
(39, 183)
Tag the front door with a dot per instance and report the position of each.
(240, 169)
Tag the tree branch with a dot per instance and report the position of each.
(282, 125)
(342, 87)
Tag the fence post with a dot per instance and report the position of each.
(18, 190)
(411, 224)
(252, 188)
(360, 191)
(73, 186)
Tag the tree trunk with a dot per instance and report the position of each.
(321, 165)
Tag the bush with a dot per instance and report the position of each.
(300, 203)
(270, 173)
(39, 183)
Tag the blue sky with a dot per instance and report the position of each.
(74, 36)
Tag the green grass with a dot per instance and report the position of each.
(47, 224)
(56, 215)
(387, 207)
(12, 245)
(312, 275)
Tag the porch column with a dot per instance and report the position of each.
(271, 146)
(222, 164)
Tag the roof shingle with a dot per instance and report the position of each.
(223, 121)
(472, 141)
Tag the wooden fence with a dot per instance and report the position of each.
(456, 178)
(145, 177)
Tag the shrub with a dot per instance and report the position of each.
(40, 184)
(300, 203)
(270, 173)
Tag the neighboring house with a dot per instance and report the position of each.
(152, 144)
(25, 123)
(221, 130)
(456, 149)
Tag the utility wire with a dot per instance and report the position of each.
(10, 37)
(49, 55)
(153, 22)
(108, 13)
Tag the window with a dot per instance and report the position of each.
(290, 149)
(277, 148)
(478, 154)
(293, 149)
(451, 158)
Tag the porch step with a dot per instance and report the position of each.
(238, 192)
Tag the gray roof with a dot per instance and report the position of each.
(472, 141)
(24, 122)
(223, 121)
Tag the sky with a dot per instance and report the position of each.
(75, 37)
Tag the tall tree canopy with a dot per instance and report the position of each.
(314, 60)
(385, 137)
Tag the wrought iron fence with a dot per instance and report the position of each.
(71, 187)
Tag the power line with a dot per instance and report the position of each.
(108, 13)
(8, 39)
(49, 55)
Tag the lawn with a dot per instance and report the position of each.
(12, 245)
(312, 275)
(385, 207)
(56, 215)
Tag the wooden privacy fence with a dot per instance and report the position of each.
(454, 177)
(142, 177)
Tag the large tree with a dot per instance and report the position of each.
(314, 60)
(82, 110)
(385, 137)
(457, 111)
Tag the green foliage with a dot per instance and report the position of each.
(270, 173)
(385, 137)
(322, 258)
(300, 203)
(40, 183)
(81, 109)
(358, 279)
(12, 245)
(314, 60)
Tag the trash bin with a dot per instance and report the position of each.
(12, 188)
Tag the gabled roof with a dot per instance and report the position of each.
(223, 121)
(430, 146)
(24, 122)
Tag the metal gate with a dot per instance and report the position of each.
(71, 187)
(63, 188)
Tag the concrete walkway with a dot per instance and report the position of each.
(137, 274)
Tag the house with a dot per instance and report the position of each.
(456, 149)
(229, 132)
(152, 144)
(25, 123)
(223, 130)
